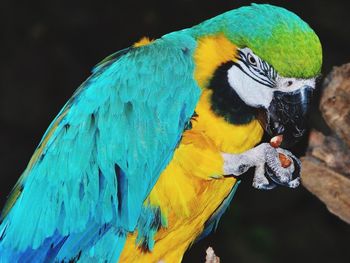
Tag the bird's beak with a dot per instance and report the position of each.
(286, 114)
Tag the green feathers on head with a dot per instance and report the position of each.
(275, 34)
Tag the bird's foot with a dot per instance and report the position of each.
(270, 170)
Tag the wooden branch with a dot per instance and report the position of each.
(326, 167)
(330, 187)
(335, 102)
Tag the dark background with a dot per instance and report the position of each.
(47, 49)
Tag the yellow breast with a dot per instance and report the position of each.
(192, 187)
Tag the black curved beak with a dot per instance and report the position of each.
(286, 114)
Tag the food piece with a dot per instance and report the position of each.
(285, 161)
(276, 141)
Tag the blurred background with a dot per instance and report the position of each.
(47, 49)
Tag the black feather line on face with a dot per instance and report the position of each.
(253, 75)
(225, 102)
(262, 73)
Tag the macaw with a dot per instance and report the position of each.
(146, 156)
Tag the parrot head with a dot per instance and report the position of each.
(271, 76)
(282, 103)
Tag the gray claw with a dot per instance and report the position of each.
(260, 181)
(276, 171)
(294, 183)
(284, 176)
(262, 186)
(266, 160)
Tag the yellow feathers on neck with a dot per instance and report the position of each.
(143, 42)
(211, 52)
(227, 137)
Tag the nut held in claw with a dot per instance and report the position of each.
(285, 161)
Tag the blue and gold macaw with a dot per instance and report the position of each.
(144, 158)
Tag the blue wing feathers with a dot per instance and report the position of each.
(103, 154)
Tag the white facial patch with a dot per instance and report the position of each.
(255, 81)
(292, 84)
(249, 90)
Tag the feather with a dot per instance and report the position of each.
(102, 155)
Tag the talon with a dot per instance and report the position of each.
(277, 175)
(284, 179)
(294, 183)
(262, 186)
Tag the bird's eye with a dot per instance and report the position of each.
(252, 60)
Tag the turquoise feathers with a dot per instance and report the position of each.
(118, 133)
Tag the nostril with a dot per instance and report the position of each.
(289, 83)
